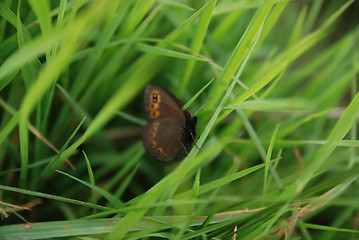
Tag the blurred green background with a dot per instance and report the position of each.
(283, 78)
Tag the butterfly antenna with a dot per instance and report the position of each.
(203, 106)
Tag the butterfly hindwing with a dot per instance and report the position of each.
(161, 141)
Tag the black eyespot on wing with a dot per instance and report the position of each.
(159, 152)
(152, 144)
(154, 98)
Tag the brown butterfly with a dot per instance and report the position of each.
(170, 131)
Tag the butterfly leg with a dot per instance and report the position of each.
(194, 141)
(184, 148)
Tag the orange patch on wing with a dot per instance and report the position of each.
(154, 114)
(155, 99)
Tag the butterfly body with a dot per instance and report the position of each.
(170, 131)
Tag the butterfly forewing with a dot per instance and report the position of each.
(160, 103)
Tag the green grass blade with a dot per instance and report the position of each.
(111, 198)
(53, 197)
(339, 131)
(197, 42)
(240, 53)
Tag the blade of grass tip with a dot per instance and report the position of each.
(339, 131)
(72, 135)
(76, 107)
(196, 95)
(197, 43)
(196, 184)
(195, 188)
(47, 171)
(20, 217)
(91, 176)
(268, 159)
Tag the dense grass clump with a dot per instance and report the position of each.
(277, 153)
